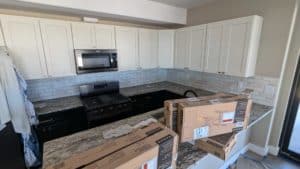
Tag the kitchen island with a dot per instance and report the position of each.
(60, 149)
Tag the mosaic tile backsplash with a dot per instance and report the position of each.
(264, 88)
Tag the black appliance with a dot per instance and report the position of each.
(95, 60)
(103, 103)
(11, 155)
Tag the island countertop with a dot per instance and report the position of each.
(60, 149)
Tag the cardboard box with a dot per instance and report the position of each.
(213, 117)
(96, 153)
(171, 107)
(157, 151)
(121, 144)
(219, 146)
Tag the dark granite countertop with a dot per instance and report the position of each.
(60, 149)
(66, 103)
(57, 105)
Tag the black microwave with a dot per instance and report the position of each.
(95, 60)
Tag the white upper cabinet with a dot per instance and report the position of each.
(213, 47)
(84, 35)
(190, 47)
(24, 42)
(241, 42)
(105, 36)
(197, 47)
(232, 45)
(127, 46)
(93, 36)
(166, 48)
(148, 48)
(2, 42)
(58, 46)
(182, 39)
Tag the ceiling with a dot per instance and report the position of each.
(184, 3)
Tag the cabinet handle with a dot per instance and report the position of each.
(46, 121)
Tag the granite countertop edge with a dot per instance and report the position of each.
(45, 107)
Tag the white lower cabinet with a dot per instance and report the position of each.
(58, 46)
(148, 48)
(127, 46)
(24, 42)
(166, 48)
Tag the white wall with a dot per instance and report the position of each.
(287, 82)
(140, 9)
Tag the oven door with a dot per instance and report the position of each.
(95, 61)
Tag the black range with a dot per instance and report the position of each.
(103, 103)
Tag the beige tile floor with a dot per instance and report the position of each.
(253, 161)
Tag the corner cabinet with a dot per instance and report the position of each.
(24, 43)
(127, 46)
(148, 48)
(2, 42)
(58, 46)
(166, 48)
(232, 45)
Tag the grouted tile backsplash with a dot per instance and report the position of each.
(44, 89)
(264, 88)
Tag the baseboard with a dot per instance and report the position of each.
(234, 158)
(273, 150)
(262, 151)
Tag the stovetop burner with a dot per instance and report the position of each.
(104, 100)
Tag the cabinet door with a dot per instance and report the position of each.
(2, 43)
(182, 59)
(105, 36)
(213, 47)
(58, 46)
(166, 48)
(83, 35)
(235, 48)
(241, 42)
(148, 48)
(197, 47)
(23, 39)
(127, 46)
